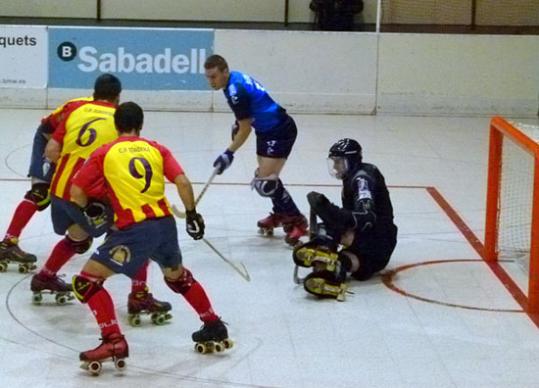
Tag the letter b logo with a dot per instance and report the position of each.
(66, 51)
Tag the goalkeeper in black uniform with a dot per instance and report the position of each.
(356, 239)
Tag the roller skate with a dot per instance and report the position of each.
(325, 284)
(42, 284)
(143, 302)
(113, 347)
(11, 253)
(268, 224)
(295, 227)
(212, 337)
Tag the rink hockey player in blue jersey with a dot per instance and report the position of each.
(275, 136)
(356, 239)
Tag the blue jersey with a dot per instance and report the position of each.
(248, 99)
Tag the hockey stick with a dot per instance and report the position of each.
(242, 271)
(178, 213)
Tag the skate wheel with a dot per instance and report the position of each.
(3, 266)
(37, 298)
(228, 343)
(201, 348)
(219, 347)
(158, 319)
(265, 232)
(120, 364)
(61, 299)
(134, 320)
(23, 268)
(168, 316)
(94, 367)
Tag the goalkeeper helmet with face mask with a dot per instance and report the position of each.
(344, 157)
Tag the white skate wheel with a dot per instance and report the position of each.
(219, 347)
(200, 348)
(94, 367)
(37, 298)
(120, 364)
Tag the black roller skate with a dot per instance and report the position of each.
(113, 347)
(11, 253)
(43, 284)
(212, 337)
(143, 302)
(268, 224)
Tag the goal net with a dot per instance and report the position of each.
(512, 191)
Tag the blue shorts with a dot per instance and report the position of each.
(65, 213)
(37, 160)
(124, 251)
(278, 143)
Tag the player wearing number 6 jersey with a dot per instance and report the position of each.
(132, 170)
(37, 198)
(85, 125)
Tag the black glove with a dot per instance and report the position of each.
(234, 130)
(194, 224)
(97, 214)
(223, 161)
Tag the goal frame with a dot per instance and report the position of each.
(502, 130)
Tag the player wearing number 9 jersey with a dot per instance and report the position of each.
(132, 171)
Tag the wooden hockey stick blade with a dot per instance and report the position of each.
(177, 212)
(242, 271)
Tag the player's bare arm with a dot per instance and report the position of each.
(53, 150)
(78, 195)
(241, 136)
(185, 191)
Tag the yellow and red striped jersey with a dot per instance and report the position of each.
(86, 126)
(134, 171)
(51, 122)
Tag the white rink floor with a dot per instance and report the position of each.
(284, 338)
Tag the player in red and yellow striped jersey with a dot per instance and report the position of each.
(85, 125)
(132, 170)
(37, 198)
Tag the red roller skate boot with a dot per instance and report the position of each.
(295, 227)
(266, 225)
(113, 347)
(10, 252)
(43, 284)
(143, 302)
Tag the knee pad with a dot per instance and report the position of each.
(183, 283)
(80, 246)
(84, 288)
(39, 194)
(267, 186)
